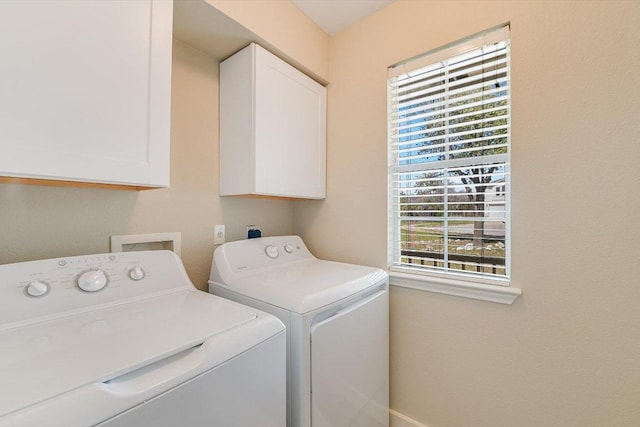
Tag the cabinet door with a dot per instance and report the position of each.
(86, 90)
(290, 130)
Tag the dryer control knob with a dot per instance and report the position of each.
(37, 288)
(136, 273)
(92, 280)
(288, 248)
(272, 251)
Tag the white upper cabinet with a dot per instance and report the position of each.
(85, 90)
(272, 128)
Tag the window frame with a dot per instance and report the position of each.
(455, 282)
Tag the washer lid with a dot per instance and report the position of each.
(49, 358)
(302, 286)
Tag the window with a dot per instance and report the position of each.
(449, 138)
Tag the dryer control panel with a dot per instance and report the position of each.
(251, 254)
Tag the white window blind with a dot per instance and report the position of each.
(449, 136)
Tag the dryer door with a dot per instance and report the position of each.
(350, 366)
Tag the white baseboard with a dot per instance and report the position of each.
(400, 420)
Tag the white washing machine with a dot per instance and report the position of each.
(126, 340)
(337, 327)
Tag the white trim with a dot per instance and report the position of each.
(460, 288)
(397, 419)
(452, 276)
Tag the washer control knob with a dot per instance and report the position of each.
(272, 251)
(288, 248)
(136, 273)
(37, 288)
(92, 280)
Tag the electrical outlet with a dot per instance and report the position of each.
(218, 236)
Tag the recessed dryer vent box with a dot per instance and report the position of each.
(146, 242)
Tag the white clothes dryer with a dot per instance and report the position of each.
(337, 323)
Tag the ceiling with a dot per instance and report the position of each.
(335, 15)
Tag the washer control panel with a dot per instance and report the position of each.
(93, 280)
(48, 287)
(37, 288)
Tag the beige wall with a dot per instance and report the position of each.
(46, 222)
(566, 352)
(282, 26)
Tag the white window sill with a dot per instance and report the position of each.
(460, 288)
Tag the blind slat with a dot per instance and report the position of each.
(455, 163)
(485, 75)
(416, 119)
